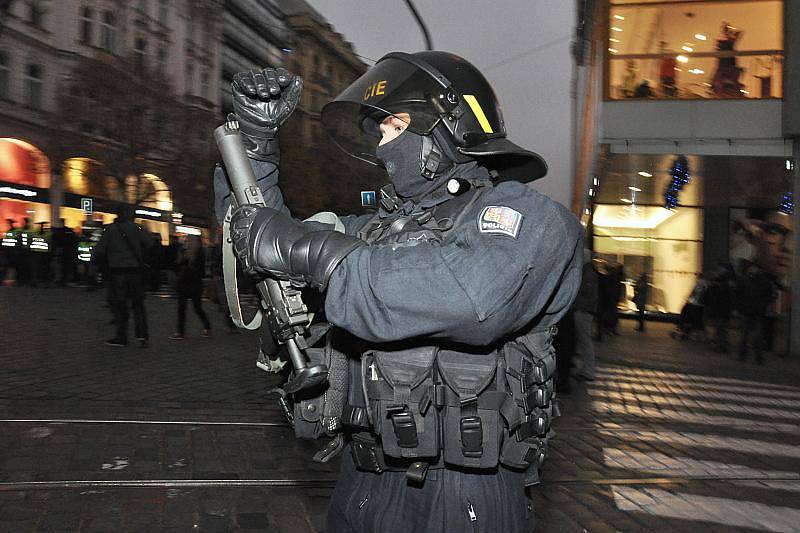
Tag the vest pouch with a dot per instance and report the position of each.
(530, 364)
(398, 386)
(309, 403)
(472, 427)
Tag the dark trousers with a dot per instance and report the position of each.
(195, 296)
(363, 502)
(752, 330)
(128, 287)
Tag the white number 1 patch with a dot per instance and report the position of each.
(498, 219)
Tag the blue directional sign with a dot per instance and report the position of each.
(368, 199)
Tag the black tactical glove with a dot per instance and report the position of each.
(268, 242)
(262, 101)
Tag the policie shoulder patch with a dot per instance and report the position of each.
(498, 219)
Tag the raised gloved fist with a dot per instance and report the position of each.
(267, 241)
(262, 101)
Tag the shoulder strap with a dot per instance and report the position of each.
(231, 285)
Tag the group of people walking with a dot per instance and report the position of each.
(725, 296)
(122, 255)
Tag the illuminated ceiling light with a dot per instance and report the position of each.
(613, 50)
(697, 71)
(187, 230)
(619, 17)
(14, 190)
(635, 189)
(613, 40)
(596, 181)
(788, 164)
(644, 174)
(700, 37)
(687, 48)
(616, 28)
(626, 200)
(586, 211)
(591, 192)
(744, 92)
(648, 217)
(682, 58)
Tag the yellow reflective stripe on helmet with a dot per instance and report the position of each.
(476, 108)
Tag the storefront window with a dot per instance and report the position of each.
(695, 49)
(731, 213)
(664, 244)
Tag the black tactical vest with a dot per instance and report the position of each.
(420, 406)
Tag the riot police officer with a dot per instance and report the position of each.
(443, 304)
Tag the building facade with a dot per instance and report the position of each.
(684, 164)
(45, 48)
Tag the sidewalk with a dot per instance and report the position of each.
(183, 436)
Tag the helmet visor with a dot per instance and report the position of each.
(390, 87)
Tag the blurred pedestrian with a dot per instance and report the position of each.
(155, 258)
(564, 343)
(640, 293)
(753, 295)
(122, 248)
(23, 262)
(218, 281)
(190, 264)
(585, 309)
(692, 317)
(719, 303)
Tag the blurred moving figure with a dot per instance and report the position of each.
(725, 83)
(719, 305)
(584, 310)
(753, 295)
(692, 314)
(121, 249)
(640, 293)
(190, 268)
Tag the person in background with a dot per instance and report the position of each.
(692, 314)
(190, 269)
(643, 90)
(23, 260)
(753, 295)
(629, 80)
(719, 303)
(584, 311)
(122, 248)
(155, 258)
(640, 292)
(667, 71)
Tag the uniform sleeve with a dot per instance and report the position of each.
(475, 288)
(267, 176)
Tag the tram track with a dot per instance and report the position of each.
(97, 484)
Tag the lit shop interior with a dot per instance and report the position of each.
(694, 49)
(28, 190)
(714, 202)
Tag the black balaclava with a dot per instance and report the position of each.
(402, 158)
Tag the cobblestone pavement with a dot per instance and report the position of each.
(183, 435)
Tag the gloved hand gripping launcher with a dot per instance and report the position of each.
(283, 307)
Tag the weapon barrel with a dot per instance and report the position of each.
(240, 173)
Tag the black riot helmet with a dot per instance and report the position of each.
(447, 99)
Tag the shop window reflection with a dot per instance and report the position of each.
(704, 49)
(665, 244)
